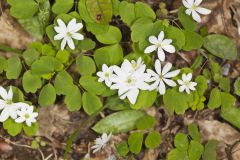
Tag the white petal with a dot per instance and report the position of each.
(180, 82)
(126, 66)
(184, 77)
(166, 68)
(71, 24)
(150, 49)
(29, 123)
(59, 36)
(169, 48)
(158, 67)
(161, 36)
(172, 74)
(203, 11)
(188, 11)
(13, 113)
(153, 39)
(4, 115)
(61, 23)
(196, 16)
(166, 42)
(188, 77)
(132, 95)
(2, 104)
(60, 30)
(190, 2)
(77, 36)
(197, 2)
(143, 86)
(70, 43)
(182, 88)
(20, 120)
(63, 43)
(161, 54)
(162, 87)
(186, 4)
(10, 93)
(169, 82)
(3, 93)
(187, 90)
(154, 85)
(108, 83)
(151, 72)
(76, 28)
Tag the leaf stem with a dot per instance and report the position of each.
(6, 48)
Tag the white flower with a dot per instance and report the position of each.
(133, 65)
(194, 8)
(160, 44)
(128, 83)
(26, 114)
(9, 109)
(186, 83)
(101, 142)
(68, 33)
(162, 76)
(105, 75)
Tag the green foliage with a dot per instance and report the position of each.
(187, 21)
(181, 141)
(12, 127)
(47, 95)
(215, 99)
(73, 98)
(63, 83)
(101, 11)
(193, 40)
(86, 44)
(31, 55)
(20, 11)
(62, 6)
(145, 99)
(153, 139)
(195, 150)
(91, 84)
(224, 84)
(145, 122)
(3, 64)
(221, 46)
(30, 131)
(122, 121)
(194, 132)
(14, 68)
(236, 86)
(63, 56)
(135, 141)
(85, 65)
(91, 103)
(31, 83)
(112, 36)
(122, 148)
(231, 114)
(177, 35)
(210, 150)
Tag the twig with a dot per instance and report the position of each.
(184, 58)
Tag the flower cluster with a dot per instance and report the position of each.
(20, 112)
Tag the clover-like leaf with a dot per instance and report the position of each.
(31, 82)
(12, 127)
(145, 99)
(14, 67)
(215, 99)
(153, 139)
(135, 141)
(62, 6)
(112, 36)
(186, 20)
(236, 85)
(63, 83)
(181, 141)
(91, 84)
(193, 40)
(91, 103)
(47, 95)
(73, 99)
(30, 55)
(195, 150)
(85, 65)
(145, 122)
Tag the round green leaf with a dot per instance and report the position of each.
(85, 65)
(63, 56)
(145, 99)
(31, 82)
(126, 12)
(14, 68)
(12, 127)
(3, 64)
(122, 148)
(30, 131)
(186, 20)
(181, 141)
(73, 99)
(143, 10)
(63, 83)
(145, 122)
(112, 36)
(193, 40)
(195, 150)
(153, 139)
(30, 55)
(135, 141)
(215, 99)
(47, 95)
(92, 85)
(62, 6)
(91, 103)
(236, 86)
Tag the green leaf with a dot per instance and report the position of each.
(181, 141)
(122, 148)
(91, 84)
(23, 11)
(62, 6)
(215, 99)
(14, 68)
(115, 7)
(73, 99)
(97, 28)
(176, 154)
(122, 121)
(210, 150)
(193, 40)
(86, 44)
(12, 127)
(194, 132)
(30, 131)
(63, 56)
(135, 141)
(221, 46)
(108, 55)
(236, 85)
(176, 101)
(83, 12)
(153, 140)
(112, 36)
(100, 10)
(17, 95)
(224, 84)
(195, 150)
(143, 10)
(186, 20)
(201, 84)
(85, 65)
(3, 64)
(197, 63)
(48, 50)
(227, 100)
(145, 122)
(46, 65)
(231, 114)
(176, 35)
(31, 83)
(91, 103)
(116, 104)
(126, 12)
(145, 99)
(63, 83)
(47, 95)
(30, 55)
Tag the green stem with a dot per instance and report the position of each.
(6, 48)
(74, 135)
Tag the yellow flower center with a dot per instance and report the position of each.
(27, 116)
